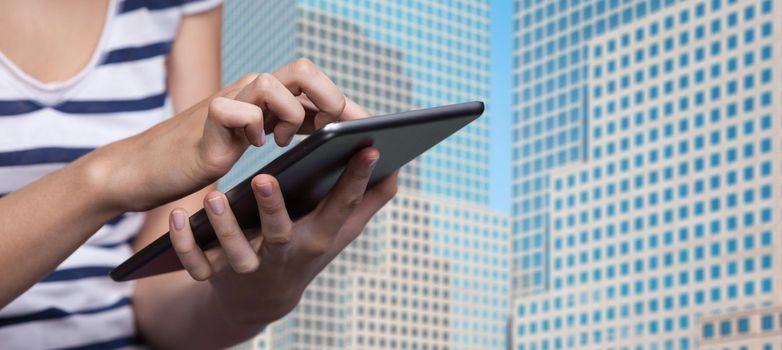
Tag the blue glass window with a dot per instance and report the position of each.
(708, 331)
(767, 322)
(725, 328)
(743, 325)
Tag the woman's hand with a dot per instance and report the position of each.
(198, 146)
(261, 280)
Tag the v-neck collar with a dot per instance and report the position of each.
(53, 93)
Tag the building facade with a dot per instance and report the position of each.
(759, 329)
(666, 227)
(440, 281)
(551, 58)
(431, 270)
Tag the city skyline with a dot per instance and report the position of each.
(630, 174)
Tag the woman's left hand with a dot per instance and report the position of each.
(262, 279)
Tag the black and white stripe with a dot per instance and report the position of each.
(45, 126)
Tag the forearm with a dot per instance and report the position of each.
(176, 312)
(43, 223)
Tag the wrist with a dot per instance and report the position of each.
(94, 173)
(237, 317)
(251, 309)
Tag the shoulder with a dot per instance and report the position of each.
(184, 7)
(154, 23)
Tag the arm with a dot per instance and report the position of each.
(58, 213)
(196, 49)
(54, 215)
(43, 223)
(234, 294)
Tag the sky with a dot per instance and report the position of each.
(500, 105)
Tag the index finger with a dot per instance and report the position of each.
(303, 76)
(352, 111)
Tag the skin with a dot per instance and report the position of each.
(228, 294)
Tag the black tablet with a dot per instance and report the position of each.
(310, 169)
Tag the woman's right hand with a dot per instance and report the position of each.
(198, 146)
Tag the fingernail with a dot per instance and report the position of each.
(179, 220)
(263, 137)
(217, 205)
(265, 188)
(371, 163)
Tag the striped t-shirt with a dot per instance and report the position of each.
(121, 92)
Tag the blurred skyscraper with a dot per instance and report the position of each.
(550, 113)
(647, 174)
(431, 270)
